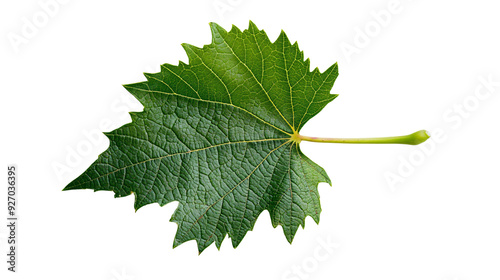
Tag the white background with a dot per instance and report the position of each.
(437, 218)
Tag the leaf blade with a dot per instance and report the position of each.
(216, 136)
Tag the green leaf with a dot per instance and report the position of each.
(219, 135)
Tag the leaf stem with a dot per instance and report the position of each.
(410, 139)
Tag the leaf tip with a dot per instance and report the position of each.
(175, 244)
(283, 37)
(147, 75)
(235, 29)
(127, 86)
(334, 67)
(187, 46)
(216, 30)
(201, 247)
(137, 204)
(252, 26)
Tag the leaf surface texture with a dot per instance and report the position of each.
(216, 136)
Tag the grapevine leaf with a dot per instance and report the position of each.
(217, 135)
